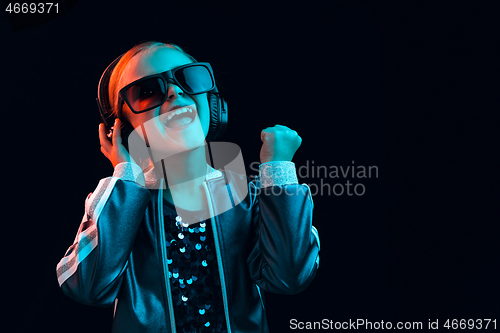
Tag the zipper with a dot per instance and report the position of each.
(164, 259)
(219, 257)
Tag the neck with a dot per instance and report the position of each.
(186, 171)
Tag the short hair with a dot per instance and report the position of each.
(118, 70)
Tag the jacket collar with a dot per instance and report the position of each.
(153, 176)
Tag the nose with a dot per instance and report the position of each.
(173, 91)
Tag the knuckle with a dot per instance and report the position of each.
(266, 132)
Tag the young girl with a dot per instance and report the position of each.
(174, 244)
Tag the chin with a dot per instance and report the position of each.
(178, 142)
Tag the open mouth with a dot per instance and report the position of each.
(180, 118)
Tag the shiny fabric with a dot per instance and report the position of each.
(193, 272)
(266, 242)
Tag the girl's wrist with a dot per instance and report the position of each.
(277, 173)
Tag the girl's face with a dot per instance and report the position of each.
(167, 136)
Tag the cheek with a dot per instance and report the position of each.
(137, 120)
(127, 115)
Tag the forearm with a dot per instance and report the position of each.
(91, 269)
(288, 243)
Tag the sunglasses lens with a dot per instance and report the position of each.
(195, 79)
(146, 94)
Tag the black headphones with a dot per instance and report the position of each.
(217, 105)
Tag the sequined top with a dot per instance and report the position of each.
(193, 272)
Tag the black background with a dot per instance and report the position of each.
(410, 87)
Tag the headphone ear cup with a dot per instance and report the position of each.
(213, 128)
(222, 116)
(126, 129)
(103, 102)
(218, 116)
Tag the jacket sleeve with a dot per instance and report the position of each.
(91, 270)
(286, 254)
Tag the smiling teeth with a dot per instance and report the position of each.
(178, 111)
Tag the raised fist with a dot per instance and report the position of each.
(279, 143)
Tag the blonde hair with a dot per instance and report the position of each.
(118, 70)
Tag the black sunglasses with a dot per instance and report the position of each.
(151, 91)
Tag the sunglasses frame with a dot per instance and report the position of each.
(165, 76)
